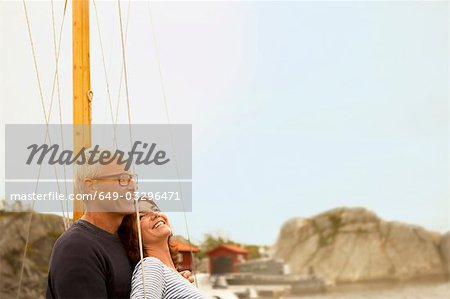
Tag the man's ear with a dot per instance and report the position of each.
(90, 185)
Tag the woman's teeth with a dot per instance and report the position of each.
(158, 224)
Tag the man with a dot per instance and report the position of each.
(88, 260)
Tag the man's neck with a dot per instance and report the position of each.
(109, 222)
(162, 252)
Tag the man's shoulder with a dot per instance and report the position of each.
(76, 238)
(76, 247)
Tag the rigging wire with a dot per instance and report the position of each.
(121, 65)
(47, 135)
(138, 220)
(57, 51)
(163, 91)
(106, 74)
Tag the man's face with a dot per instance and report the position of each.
(114, 187)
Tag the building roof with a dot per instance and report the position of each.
(230, 247)
(183, 247)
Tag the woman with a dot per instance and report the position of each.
(159, 272)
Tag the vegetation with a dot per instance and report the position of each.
(327, 237)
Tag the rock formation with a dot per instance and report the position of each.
(445, 251)
(353, 244)
(45, 229)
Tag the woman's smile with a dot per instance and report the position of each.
(158, 224)
(155, 220)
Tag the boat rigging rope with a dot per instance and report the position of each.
(121, 66)
(136, 204)
(57, 52)
(47, 119)
(163, 91)
(106, 74)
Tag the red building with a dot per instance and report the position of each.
(226, 258)
(184, 255)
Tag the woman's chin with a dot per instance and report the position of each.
(167, 230)
(164, 231)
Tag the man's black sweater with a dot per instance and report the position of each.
(88, 262)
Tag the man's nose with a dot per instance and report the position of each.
(132, 185)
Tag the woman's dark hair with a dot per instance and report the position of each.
(128, 233)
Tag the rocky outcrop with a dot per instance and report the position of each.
(445, 252)
(45, 229)
(353, 244)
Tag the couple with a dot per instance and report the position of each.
(96, 256)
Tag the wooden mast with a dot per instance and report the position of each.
(82, 94)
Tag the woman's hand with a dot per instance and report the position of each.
(188, 275)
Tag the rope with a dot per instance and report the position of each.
(46, 118)
(121, 66)
(163, 91)
(34, 60)
(105, 72)
(45, 115)
(57, 50)
(141, 253)
(124, 65)
(56, 79)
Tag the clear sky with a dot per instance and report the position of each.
(296, 107)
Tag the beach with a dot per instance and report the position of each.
(439, 290)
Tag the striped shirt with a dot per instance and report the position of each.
(161, 282)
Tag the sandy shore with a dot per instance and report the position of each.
(439, 290)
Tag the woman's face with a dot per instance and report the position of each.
(155, 227)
